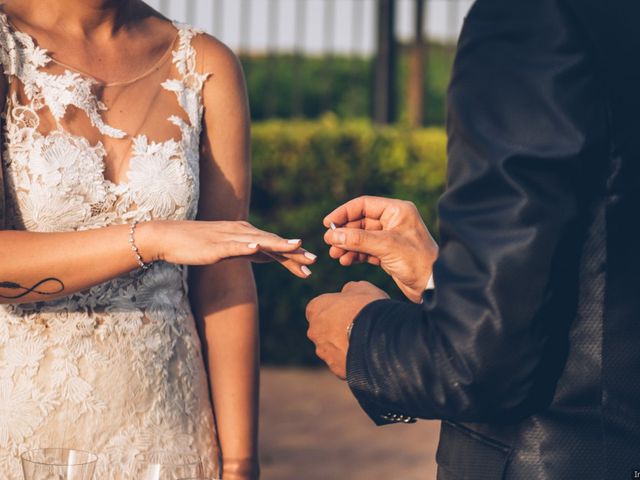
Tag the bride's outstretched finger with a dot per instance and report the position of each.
(301, 256)
(298, 269)
(272, 243)
(238, 249)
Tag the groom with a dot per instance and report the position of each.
(528, 349)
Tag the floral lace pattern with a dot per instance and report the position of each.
(116, 369)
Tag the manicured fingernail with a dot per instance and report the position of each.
(253, 245)
(305, 270)
(339, 237)
(293, 241)
(310, 255)
(333, 226)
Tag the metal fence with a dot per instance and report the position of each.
(359, 29)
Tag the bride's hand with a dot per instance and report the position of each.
(206, 243)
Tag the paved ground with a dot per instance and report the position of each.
(312, 429)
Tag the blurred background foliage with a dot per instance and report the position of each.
(291, 86)
(302, 171)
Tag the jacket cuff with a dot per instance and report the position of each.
(358, 376)
(357, 369)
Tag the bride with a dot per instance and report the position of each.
(126, 157)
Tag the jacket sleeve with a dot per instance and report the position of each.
(527, 128)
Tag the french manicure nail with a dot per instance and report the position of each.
(293, 241)
(253, 245)
(310, 255)
(333, 226)
(305, 270)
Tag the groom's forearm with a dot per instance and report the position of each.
(402, 365)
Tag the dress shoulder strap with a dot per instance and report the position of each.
(188, 88)
(185, 56)
(19, 54)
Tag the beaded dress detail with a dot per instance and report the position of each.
(116, 369)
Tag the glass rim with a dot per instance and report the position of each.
(181, 456)
(91, 457)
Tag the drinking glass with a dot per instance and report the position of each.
(58, 464)
(167, 466)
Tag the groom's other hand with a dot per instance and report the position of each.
(385, 232)
(330, 317)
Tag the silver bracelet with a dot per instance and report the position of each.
(134, 247)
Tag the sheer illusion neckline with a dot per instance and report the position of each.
(156, 65)
(143, 166)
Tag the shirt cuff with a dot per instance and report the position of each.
(430, 284)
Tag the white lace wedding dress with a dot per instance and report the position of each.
(116, 369)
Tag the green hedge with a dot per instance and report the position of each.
(302, 171)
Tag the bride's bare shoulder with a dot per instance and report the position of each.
(213, 54)
(216, 58)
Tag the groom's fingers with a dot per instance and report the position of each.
(359, 287)
(373, 243)
(358, 208)
(373, 261)
(336, 253)
(349, 259)
(352, 258)
(364, 224)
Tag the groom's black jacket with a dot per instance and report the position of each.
(529, 347)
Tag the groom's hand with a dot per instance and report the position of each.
(385, 232)
(329, 319)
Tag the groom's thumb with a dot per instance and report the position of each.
(374, 243)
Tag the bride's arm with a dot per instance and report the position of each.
(45, 266)
(42, 266)
(223, 296)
